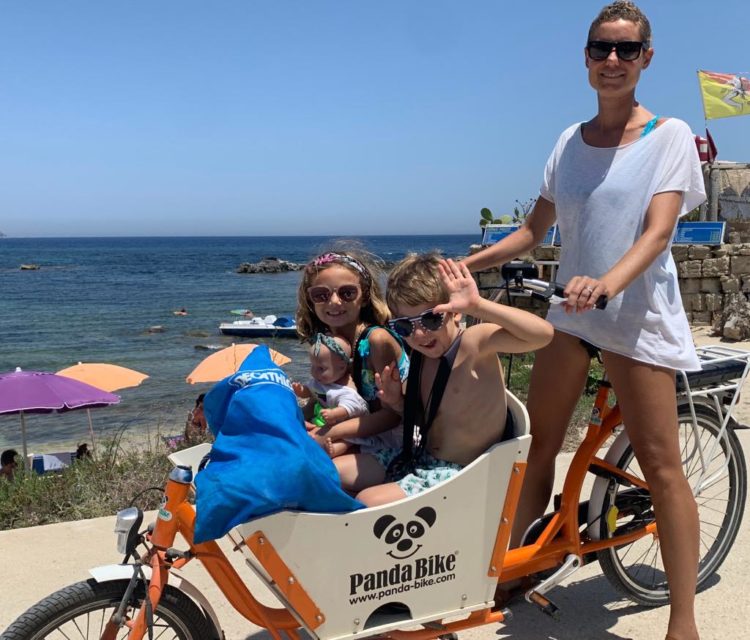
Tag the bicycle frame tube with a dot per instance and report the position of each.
(562, 536)
(180, 518)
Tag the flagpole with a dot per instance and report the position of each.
(713, 195)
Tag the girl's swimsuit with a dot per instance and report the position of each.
(366, 384)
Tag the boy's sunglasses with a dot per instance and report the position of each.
(600, 49)
(321, 294)
(428, 320)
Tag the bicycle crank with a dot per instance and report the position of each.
(536, 595)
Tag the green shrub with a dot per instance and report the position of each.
(89, 488)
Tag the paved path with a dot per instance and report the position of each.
(39, 560)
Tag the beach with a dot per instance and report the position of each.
(94, 299)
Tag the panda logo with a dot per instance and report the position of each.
(404, 537)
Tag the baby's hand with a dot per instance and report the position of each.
(328, 416)
(389, 386)
(300, 390)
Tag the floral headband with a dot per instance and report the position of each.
(339, 258)
(322, 339)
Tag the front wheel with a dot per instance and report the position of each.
(636, 569)
(82, 610)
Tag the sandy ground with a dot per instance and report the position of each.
(40, 560)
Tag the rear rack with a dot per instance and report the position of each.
(720, 366)
(723, 372)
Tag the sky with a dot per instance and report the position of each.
(314, 117)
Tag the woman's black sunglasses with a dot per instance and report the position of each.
(428, 320)
(600, 49)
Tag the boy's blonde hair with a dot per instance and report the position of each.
(623, 10)
(415, 281)
(362, 264)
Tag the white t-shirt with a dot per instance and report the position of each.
(601, 196)
(334, 395)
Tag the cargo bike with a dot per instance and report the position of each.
(426, 566)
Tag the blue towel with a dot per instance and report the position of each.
(263, 460)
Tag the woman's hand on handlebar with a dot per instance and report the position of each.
(582, 292)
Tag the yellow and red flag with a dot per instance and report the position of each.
(724, 94)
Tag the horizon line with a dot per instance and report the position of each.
(341, 235)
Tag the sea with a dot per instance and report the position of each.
(94, 300)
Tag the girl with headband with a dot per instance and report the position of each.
(340, 296)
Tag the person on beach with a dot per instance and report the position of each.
(429, 296)
(339, 295)
(196, 426)
(8, 464)
(616, 185)
(82, 452)
(330, 399)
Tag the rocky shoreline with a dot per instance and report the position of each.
(277, 265)
(269, 265)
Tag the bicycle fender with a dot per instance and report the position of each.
(599, 490)
(110, 572)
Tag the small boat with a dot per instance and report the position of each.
(29, 267)
(270, 326)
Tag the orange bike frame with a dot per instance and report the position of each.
(560, 537)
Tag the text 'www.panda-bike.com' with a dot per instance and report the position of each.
(402, 588)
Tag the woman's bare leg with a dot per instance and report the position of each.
(646, 395)
(557, 380)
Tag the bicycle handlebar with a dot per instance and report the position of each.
(516, 275)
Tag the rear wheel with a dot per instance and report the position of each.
(82, 610)
(636, 569)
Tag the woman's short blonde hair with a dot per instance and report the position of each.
(623, 10)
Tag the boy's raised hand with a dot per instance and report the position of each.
(389, 386)
(464, 295)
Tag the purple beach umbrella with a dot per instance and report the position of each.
(45, 392)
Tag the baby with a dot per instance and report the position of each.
(332, 400)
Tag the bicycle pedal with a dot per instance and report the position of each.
(544, 603)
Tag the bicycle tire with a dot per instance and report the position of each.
(82, 609)
(635, 569)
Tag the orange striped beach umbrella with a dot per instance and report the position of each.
(105, 376)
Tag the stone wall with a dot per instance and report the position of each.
(714, 283)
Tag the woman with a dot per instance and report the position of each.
(339, 295)
(616, 186)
